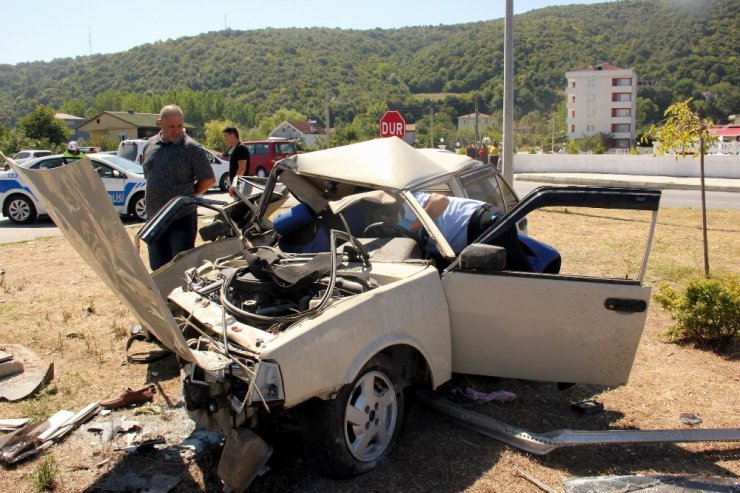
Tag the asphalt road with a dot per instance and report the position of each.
(669, 198)
(9, 232)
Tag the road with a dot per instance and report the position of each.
(669, 198)
(9, 232)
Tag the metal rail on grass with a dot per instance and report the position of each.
(543, 443)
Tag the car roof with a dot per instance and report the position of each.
(97, 155)
(388, 163)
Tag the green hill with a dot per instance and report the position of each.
(679, 48)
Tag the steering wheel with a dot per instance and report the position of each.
(391, 230)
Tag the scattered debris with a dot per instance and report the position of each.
(244, 455)
(652, 484)
(198, 440)
(129, 397)
(30, 440)
(690, 419)
(162, 483)
(148, 408)
(144, 447)
(4, 356)
(13, 424)
(10, 368)
(482, 397)
(543, 443)
(15, 383)
(588, 407)
(533, 480)
(121, 425)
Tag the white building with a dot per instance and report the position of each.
(602, 99)
(306, 132)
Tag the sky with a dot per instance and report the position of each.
(42, 30)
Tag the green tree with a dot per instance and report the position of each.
(13, 141)
(684, 131)
(214, 133)
(74, 107)
(41, 124)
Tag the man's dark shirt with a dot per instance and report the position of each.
(240, 153)
(171, 169)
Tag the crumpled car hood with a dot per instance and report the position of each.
(75, 198)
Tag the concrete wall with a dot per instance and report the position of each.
(714, 166)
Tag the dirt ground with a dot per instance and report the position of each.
(53, 304)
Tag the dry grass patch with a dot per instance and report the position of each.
(51, 302)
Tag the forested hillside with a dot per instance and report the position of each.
(682, 48)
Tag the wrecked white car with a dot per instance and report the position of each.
(322, 316)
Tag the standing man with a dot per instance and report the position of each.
(238, 156)
(72, 153)
(174, 164)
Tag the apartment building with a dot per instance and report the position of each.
(602, 99)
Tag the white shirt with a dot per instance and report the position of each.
(452, 222)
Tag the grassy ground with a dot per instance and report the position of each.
(52, 303)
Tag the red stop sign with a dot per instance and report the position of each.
(392, 124)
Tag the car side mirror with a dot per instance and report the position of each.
(480, 256)
(117, 174)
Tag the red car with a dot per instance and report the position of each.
(263, 154)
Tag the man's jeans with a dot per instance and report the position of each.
(180, 236)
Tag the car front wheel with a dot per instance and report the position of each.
(260, 172)
(20, 210)
(137, 207)
(352, 433)
(224, 182)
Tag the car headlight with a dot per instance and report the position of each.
(268, 383)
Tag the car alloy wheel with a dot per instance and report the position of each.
(138, 207)
(20, 210)
(350, 434)
(261, 172)
(370, 416)
(224, 182)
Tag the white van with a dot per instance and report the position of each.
(133, 149)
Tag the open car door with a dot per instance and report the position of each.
(553, 327)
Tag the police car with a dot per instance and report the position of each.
(123, 179)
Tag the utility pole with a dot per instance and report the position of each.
(552, 141)
(327, 117)
(477, 131)
(89, 39)
(508, 154)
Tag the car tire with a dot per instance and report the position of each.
(349, 435)
(137, 207)
(20, 209)
(260, 172)
(224, 182)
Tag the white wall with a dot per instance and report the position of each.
(714, 166)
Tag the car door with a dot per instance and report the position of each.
(551, 327)
(114, 182)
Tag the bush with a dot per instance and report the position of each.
(44, 476)
(707, 312)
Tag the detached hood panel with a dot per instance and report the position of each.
(76, 200)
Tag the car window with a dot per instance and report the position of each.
(285, 148)
(128, 150)
(21, 155)
(125, 164)
(43, 153)
(48, 163)
(103, 170)
(510, 197)
(481, 184)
